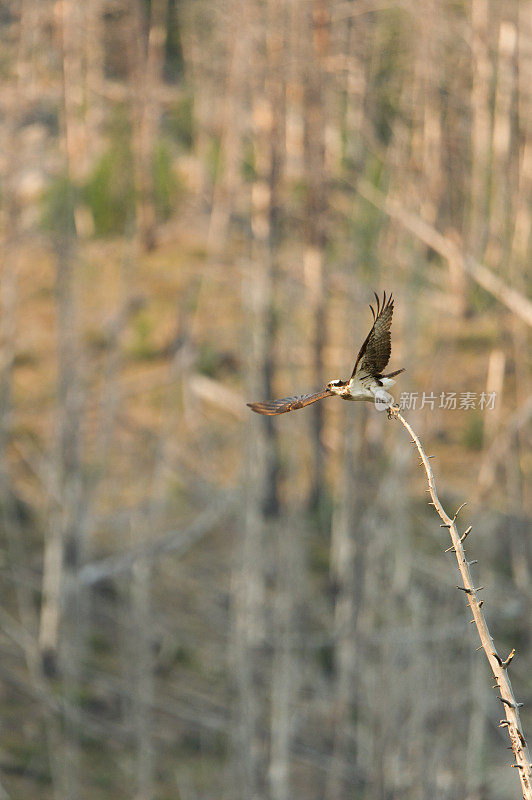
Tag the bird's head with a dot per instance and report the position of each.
(336, 386)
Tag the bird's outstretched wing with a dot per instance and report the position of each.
(273, 407)
(376, 350)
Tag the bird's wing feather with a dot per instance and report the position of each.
(376, 350)
(285, 404)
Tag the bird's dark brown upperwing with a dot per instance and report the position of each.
(377, 347)
(285, 404)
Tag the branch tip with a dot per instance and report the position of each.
(461, 507)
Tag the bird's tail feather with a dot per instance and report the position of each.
(393, 374)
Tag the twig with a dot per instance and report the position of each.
(498, 666)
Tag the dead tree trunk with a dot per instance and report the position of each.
(227, 178)
(505, 169)
(95, 75)
(344, 574)
(480, 127)
(62, 630)
(249, 596)
(62, 545)
(268, 114)
(284, 674)
(72, 22)
(261, 459)
(146, 69)
(143, 679)
(275, 93)
(317, 19)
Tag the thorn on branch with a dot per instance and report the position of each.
(517, 766)
(451, 549)
(465, 589)
(466, 533)
(469, 563)
(444, 525)
(503, 723)
(508, 703)
(481, 604)
(505, 664)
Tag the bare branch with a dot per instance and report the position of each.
(516, 302)
(174, 541)
(498, 667)
(214, 391)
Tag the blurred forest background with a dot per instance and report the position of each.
(198, 198)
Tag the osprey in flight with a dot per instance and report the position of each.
(366, 382)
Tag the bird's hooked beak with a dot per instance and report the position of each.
(333, 387)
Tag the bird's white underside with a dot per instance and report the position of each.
(362, 389)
